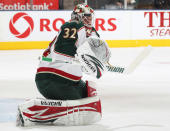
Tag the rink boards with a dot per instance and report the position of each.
(35, 29)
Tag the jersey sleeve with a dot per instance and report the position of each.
(81, 36)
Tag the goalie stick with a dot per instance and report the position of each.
(127, 70)
(116, 69)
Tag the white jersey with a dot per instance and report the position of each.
(57, 59)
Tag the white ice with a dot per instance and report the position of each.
(136, 102)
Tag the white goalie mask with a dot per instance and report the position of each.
(83, 13)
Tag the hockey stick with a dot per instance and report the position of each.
(127, 70)
(115, 69)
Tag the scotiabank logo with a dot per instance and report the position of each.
(26, 31)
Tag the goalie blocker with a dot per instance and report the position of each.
(61, 112)
(91, 65)
(93, 55)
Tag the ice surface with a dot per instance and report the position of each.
(136, 102)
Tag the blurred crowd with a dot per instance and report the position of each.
(96, 4)
(128, 4)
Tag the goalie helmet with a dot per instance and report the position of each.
(83, 13)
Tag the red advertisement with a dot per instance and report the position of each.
(29, 4)
(53, 4)
(158, 23)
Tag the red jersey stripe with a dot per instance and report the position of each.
(58, 72)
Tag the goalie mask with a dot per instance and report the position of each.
(83, 13)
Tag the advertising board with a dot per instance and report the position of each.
(35, 29)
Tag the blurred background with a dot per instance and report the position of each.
(32, 24)
(139, 101)
(96, 4)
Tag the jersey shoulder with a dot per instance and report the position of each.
(73, 24)
(94, 30)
